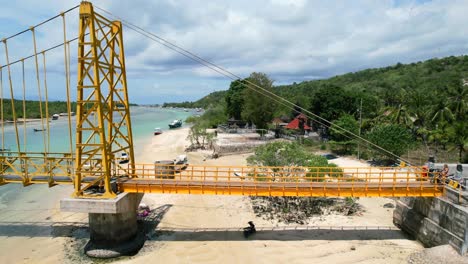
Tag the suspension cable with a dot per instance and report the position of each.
(12, 98)
(41, 23)
(46, 101)
(39, 88)
(24, 107)
(233, 76)
(66, 51)
(37, 53)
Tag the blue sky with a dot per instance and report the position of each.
(290, 40)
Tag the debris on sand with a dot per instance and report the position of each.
(298, 209)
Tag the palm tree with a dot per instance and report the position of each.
(442, 115)
(400, 115)
(458, 96)
(459, 136)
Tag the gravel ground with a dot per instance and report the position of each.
(437, 255)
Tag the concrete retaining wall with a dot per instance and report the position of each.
(434, 221)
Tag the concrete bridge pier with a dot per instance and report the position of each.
(112, 224)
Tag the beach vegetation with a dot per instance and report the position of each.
(291, 159)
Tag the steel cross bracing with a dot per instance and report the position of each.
(103, 127)
(103, 131)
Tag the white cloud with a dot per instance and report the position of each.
(290, 40)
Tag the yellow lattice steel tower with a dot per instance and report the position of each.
(103, 128)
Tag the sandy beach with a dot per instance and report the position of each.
(199, 229)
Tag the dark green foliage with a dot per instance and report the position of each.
(211, 118)
(296, 110)
(343, 147)
(258, 108)
(213, 99)
(346, 122)
(330, 102)
(458, 135)
(343, 143)
(32, 109)
(214, 116)
(235, 99)
(394, 138)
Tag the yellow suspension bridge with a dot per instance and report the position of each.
(104, 130)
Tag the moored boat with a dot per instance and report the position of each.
(175, 124)
(157, 131)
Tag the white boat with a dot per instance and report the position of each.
(157, 131)
(181, 159)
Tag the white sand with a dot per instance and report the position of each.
(26, 216)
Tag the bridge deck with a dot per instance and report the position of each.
(345, 189)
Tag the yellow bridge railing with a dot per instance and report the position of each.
(58, 168)
(280, 181)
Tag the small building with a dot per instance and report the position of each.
(297, 121)
(278, 122)
(232, 122)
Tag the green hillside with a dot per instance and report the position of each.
(392, 85)
(212, 99)
(424, 102)
(33, 108)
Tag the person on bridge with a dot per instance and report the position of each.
(445, 172)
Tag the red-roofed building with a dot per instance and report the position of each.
(294, 124)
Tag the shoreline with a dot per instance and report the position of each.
(21, 120)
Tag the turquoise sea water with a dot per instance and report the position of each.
(144, 120)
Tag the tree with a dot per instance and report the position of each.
(393, 138)
(458, 100)
(400, 115)
(342, 142)
(279, 154)
(214, 116)
(347, 122)
(289, 157)
(458, 135)
(235, 99)
(330, 102)
(196, 136)
(258, 108)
